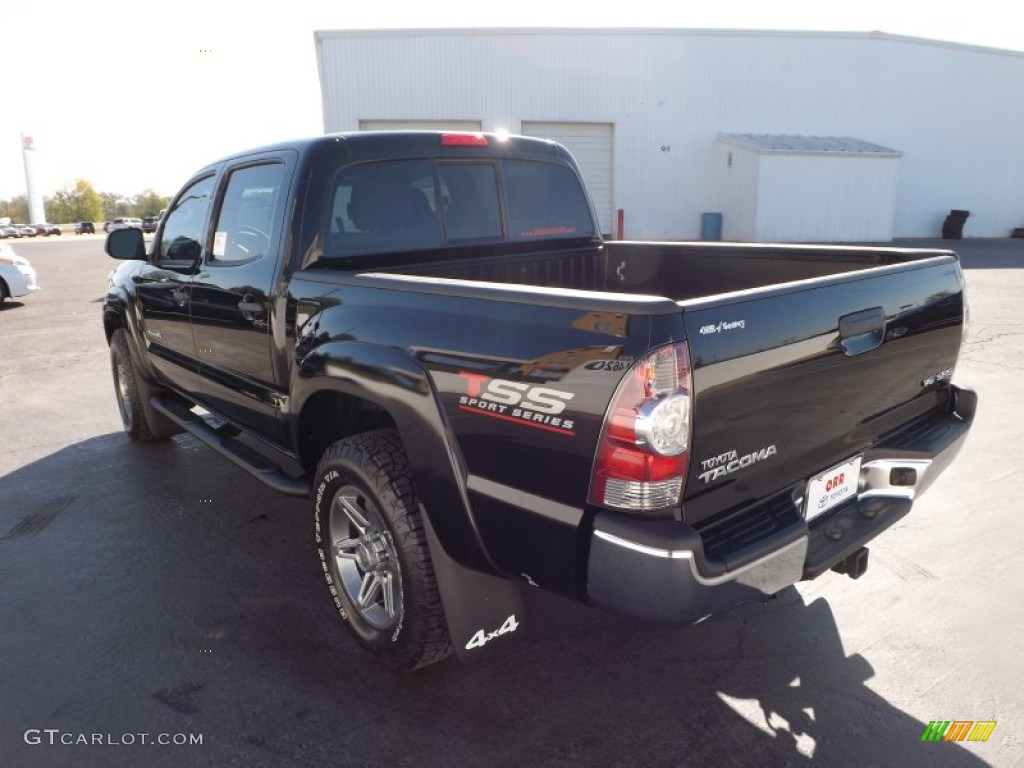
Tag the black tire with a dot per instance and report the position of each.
(373, 551)
(127, 390)
(3, 292)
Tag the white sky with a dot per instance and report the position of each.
(120, 93)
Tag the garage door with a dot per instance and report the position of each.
(419, 125)
(591, 145)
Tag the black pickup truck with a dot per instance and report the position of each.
(426, 334)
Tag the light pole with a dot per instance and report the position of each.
(36, 212)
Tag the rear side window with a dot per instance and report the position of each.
(545, 201)
(383, 207)
(245, 225)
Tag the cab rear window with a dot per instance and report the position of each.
(383, 208)
(405, 205)
(545, 201)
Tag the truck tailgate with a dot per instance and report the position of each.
(799, 377)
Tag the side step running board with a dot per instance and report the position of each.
(223, 441)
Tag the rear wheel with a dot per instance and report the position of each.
(373, 551)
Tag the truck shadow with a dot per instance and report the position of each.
(203, 585)
(758, 685)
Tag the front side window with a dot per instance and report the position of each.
(245, 223)
(185, 228)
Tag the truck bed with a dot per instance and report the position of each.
(679, 271)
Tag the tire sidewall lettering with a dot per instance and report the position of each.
(326, 481)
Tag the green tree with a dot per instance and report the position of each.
(16, 208)
(117, 206)
(55, 210)
(149, 203)
(80, 202)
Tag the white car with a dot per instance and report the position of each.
(17, 277)
(123, 224)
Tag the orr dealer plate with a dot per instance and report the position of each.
(832, 487)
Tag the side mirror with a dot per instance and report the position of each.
(126, 244)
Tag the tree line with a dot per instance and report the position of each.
(81, 202)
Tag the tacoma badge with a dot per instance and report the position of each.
(729, 462)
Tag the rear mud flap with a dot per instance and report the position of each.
(484, 612)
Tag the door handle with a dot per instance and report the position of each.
(253, 311)
(250, 304)
(860, 332)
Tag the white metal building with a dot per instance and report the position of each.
(805, 188)
(656, 116)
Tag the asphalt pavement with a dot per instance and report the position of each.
(156, 593)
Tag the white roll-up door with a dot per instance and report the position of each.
(419, 125)
(591, 144)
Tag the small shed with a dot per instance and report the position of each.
(805, 189)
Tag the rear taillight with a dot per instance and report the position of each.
(644, 448)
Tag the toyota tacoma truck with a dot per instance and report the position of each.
(426, 335)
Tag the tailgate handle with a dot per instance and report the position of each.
(862, 331)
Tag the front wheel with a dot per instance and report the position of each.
(373, 551)
(129, 394)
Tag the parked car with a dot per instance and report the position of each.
(116, 224)
(149, 223)
(9, 230)
(26, 230)
(85, 228)
(17, 278)
(46, 229)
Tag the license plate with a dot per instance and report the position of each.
(832, 487)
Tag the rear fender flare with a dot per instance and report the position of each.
(393, 380)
